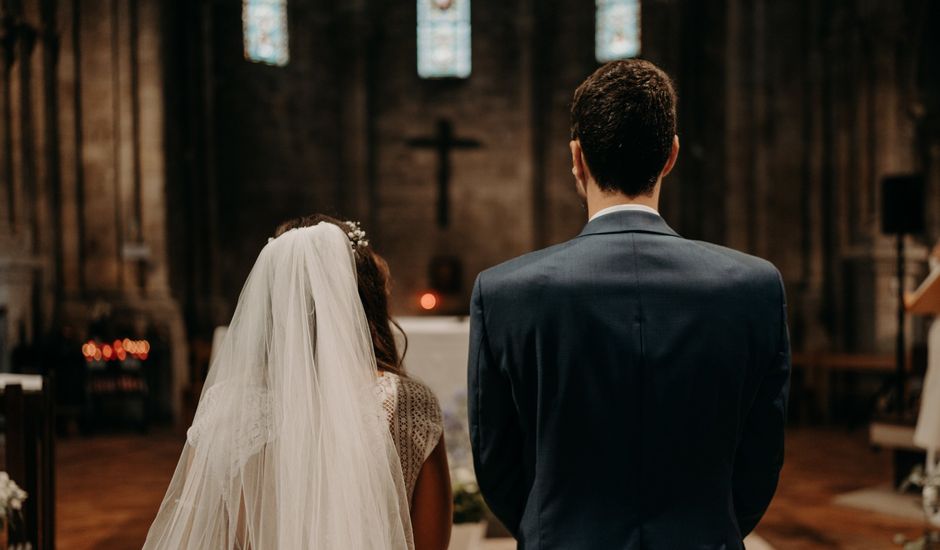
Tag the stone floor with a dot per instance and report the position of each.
(109, 488)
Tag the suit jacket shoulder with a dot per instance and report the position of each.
(519, 274)
(747, 270)
(533, 271)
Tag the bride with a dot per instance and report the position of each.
(308, 434)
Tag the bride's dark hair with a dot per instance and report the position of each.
(373, 278)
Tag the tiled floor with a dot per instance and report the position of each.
(109, 488)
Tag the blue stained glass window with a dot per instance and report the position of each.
(617, 30)
(444, 38)
(264, 23)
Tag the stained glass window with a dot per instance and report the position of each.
(444, 38)
(264, 23)
(617, 30)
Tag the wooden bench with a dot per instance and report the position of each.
(821, 372)
(27, 404)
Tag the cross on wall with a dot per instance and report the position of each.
(443, 141)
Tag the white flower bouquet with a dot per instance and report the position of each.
(11, 496)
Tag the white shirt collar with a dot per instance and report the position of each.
(623, 207)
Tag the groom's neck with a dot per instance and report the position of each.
(598, 199)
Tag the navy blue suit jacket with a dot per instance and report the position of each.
(628, 388)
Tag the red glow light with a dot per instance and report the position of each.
(428, 301)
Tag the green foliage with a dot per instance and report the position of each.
(468, 503)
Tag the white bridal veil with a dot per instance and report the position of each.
(289, 449)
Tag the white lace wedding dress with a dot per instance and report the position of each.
(414, 420)
(290, 447)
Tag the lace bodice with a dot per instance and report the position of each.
(415, 420)
(411, 410)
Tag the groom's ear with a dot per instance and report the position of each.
(578, 167)
(673, 155)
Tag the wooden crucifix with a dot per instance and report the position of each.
(443, 141)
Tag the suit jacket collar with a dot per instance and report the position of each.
(628, 221)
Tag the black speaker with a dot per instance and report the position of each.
(902, 204)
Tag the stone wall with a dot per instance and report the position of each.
(823, 100)
(790, 115)
(137, 127)
(84, 220)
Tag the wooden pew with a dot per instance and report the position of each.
(27, 404)
(819, 372)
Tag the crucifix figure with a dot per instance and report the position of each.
(443, 141)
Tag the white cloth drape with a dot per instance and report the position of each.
(927, 434)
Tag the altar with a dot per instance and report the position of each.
(437, 354)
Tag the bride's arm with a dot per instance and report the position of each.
(432, 506)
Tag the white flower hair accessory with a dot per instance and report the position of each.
(357, 237)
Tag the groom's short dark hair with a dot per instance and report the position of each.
(624, 116)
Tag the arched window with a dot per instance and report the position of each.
(264, 23)
(617, 29)
(444, 38)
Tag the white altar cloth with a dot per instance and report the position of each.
(437, 354)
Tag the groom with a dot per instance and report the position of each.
(628, 388)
